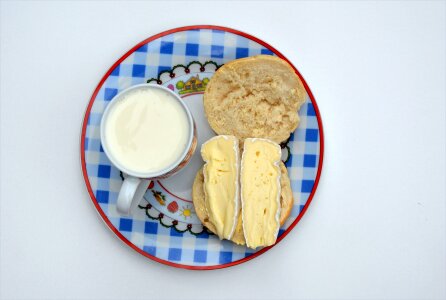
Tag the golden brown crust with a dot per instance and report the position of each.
(255, 96)
(286, 203)
(286, 195)
(198, 200)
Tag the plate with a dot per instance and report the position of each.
(165, 227)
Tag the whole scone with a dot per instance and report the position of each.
(256, 96)
(198, 198)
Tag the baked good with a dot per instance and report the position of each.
(198, 197)
(256, 96)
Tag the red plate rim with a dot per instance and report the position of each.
(84, 128)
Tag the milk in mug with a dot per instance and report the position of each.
(147, 130)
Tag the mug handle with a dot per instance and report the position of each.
(131, 193)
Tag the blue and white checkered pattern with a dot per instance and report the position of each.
(147, 62)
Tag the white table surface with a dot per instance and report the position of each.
(376, 227)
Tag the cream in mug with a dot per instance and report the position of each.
(147, 130)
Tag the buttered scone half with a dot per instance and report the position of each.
(260, 191)
(221, 183)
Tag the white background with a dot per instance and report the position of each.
(376, 227)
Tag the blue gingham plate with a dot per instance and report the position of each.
(165, 227)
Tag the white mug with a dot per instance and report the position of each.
(135, 183)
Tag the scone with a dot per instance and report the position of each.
(255, 96)
(198, 197)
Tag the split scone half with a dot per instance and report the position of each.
(261, 182)
(257, 96)
(198, 197)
